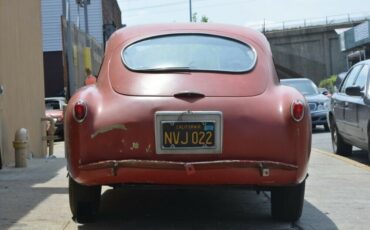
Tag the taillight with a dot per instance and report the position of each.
(297, 110)
(80, 111)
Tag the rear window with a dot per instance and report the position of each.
(52, 105)
(190, 52)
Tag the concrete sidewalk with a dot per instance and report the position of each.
(35, 197)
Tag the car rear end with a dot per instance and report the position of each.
(203, 125)
(198, 123)
(174, 141)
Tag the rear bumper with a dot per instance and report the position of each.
(226, 172)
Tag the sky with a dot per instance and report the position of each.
(252, 13)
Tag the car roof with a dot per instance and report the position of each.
(363, 62)
(138, 32)
(263, 70)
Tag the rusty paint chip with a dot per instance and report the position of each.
(108, 129)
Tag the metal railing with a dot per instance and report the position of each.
(83, 51)
(266, 26)
(49, 138)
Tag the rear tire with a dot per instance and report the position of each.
(326, 127)
(339, 146)
(368, 144)
(84, 201)
(287, 202)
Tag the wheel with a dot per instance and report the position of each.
(84, 201)
(287, 202)
(368, 144)
(326, 127)
(339, 146)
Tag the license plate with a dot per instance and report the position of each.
(188, 132)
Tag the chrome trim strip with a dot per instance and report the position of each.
(195, 33)
(74, 115)
(304, 110)
(200, 165)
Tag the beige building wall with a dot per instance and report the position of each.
(21, 75)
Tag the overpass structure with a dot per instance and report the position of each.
(312, 52)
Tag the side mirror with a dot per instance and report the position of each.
(354, 91)
(326, 93)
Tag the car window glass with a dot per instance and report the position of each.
(362, 77)
(350, 78)
(368, 88)
(305, 87)
(190, 52)
(52, 105)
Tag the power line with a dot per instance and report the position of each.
(156, 6)
(183, 2)
(230, 2)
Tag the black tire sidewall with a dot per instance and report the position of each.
(84, 201)
(287, 202)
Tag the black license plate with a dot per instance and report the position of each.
(188, 134)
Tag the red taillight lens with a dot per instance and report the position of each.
(297, 110)
(80, 111)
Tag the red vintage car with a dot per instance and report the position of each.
(187, 105)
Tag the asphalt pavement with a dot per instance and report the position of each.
(337, 197)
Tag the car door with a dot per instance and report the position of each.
(354, 111)
(339, 100)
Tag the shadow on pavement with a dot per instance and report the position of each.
(24, 189)
(196, 209)
(360, 156)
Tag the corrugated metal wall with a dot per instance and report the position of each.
(95, 18)
(51, 24)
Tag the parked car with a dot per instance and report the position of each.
(324, 91)
(54, 109)
(188, 105)
(319, 103)
(350, 111)
(339, 80)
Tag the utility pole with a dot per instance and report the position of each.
(84, 3)
(190, 11)
(86, 16)
(71, 82)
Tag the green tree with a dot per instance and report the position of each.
(195, 17)
(328, 83)
(203, 19)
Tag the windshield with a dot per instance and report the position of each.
(189, 52)
(304, 87)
